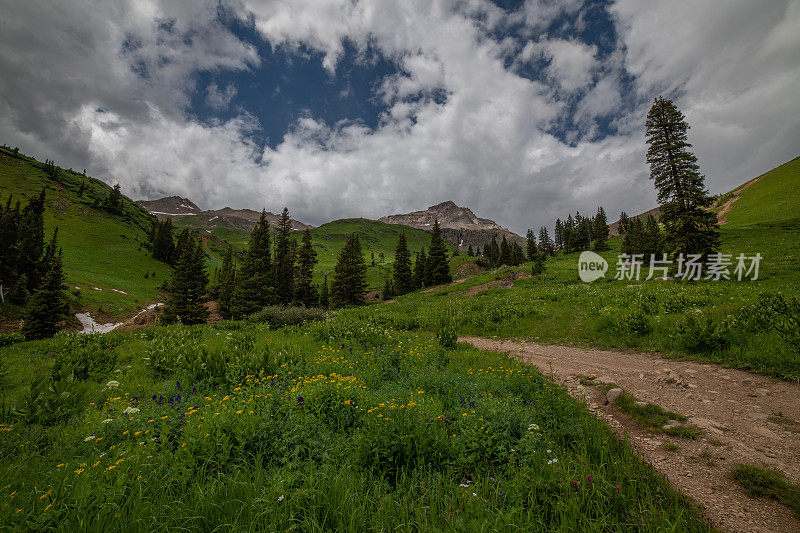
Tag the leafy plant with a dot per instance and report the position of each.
(47, 401)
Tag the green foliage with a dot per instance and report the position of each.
(403, 277)
(48, 306)
(254, 284)
(47, 402)
(285, 256)
(438, 269)
(690, 227)
(279, 316)
(305, 291)
(227, 285)
(446, 337)
(187, 288)
(349, 276)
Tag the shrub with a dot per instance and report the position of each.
(7, 339)
(698, 332)
(446, 337)
(277, 316)
(634, 322)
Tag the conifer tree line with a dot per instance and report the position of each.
(429, 268)
(582, 233)
(31, 273)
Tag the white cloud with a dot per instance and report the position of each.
(219, 99)
(71, 94)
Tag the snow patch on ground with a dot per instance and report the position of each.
(90, 326)
(172, 214)
(119, 291)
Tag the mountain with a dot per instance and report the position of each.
(108, 269)
(459, 225)
(175, 207)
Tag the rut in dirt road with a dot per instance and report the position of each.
(745, 418)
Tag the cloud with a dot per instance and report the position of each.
(109, 85)
(219, 99)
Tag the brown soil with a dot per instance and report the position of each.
(436, 287)
(746, 418)
(504, 283)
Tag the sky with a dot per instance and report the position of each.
(522, 110)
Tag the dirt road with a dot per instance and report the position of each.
(746, 418)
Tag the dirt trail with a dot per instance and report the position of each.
(747, 418)
(721, 218)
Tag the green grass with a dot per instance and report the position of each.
(102, 252)
(775, 197)
(342, 425)
(760, 482)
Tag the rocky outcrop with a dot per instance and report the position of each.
(459, 225)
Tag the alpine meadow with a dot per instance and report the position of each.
(357, 265)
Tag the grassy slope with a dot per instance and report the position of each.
(558, 308)
(100, 249)
(376, 238)
(775, 197)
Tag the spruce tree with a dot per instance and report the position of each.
(254, 289)
(284, 259)
(690, 227)
(31, 241)
(324, 301)
(19, 293)
(187, 287)
(349, 275)
(582, 232)
(9, 245)
(181, 243)
(622, 226)
(505, 252)
(439, 269)
(470, 251)
(227, 284)
(403, 282)
(568, 230)
(600, 230)
(532, 249)
(114, 200)
(419, 269)
(545, 244)
(558, 234)
(305, 291)
(48, 306)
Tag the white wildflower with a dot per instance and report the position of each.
(113, 384)
(474, 494)
(463, 485)
(108, 420)
(87, 439)
(533, 427)
(130, 410)
(280, 498)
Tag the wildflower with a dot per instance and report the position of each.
(574, 484)
(533, 427)
(112, 384)
(130, 410)
(59, 465)
(108, 420)
(280, 498)
(474, 494)
(48, 507)
(87, 439)
(588, 479)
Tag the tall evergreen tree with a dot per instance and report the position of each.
(324, 300)
(9, 245)
(470, 251)
(284, 259)
(403, 276)
(349, 275)
(114, 200)
(583, 234)
(48, 306)
(227, 284)
(187, 288)
(600, 230)
(305, 291)
(388, 288)
(689, 226)
(419, 269)
(569, 234)
(254, 288)
(163, 245)
(31, 241)
(558, 234)
(531, 249)
(438, 267)
(622, 227)
(545, 244)
(505, 252)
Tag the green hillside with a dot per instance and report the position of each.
(771, 197)
(376, 238)
(102, 251)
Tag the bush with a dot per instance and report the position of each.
(7, 339)
(634, 322)
(446, 337)
(277, 316)
(699, 333)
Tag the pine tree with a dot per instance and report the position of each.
(227, 284)
(419, 269)
(182, 242)
(19, 294)
(558, 234)
(114, 200)
(651, 237)
(284, 259)
(582, 232)
(349, 275)
(31, 241)
(403, 282)
(48, 306)
(545, 244)
(439, 269)
(9, 245)
(163, 245)
(305, 291)
(690, 228)
(187, 287)
(470, 251)
(622, 227)
(505, 252)
(254, 288)
(568, 230)
(600, 230)
(531, 249)
(324, 301)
